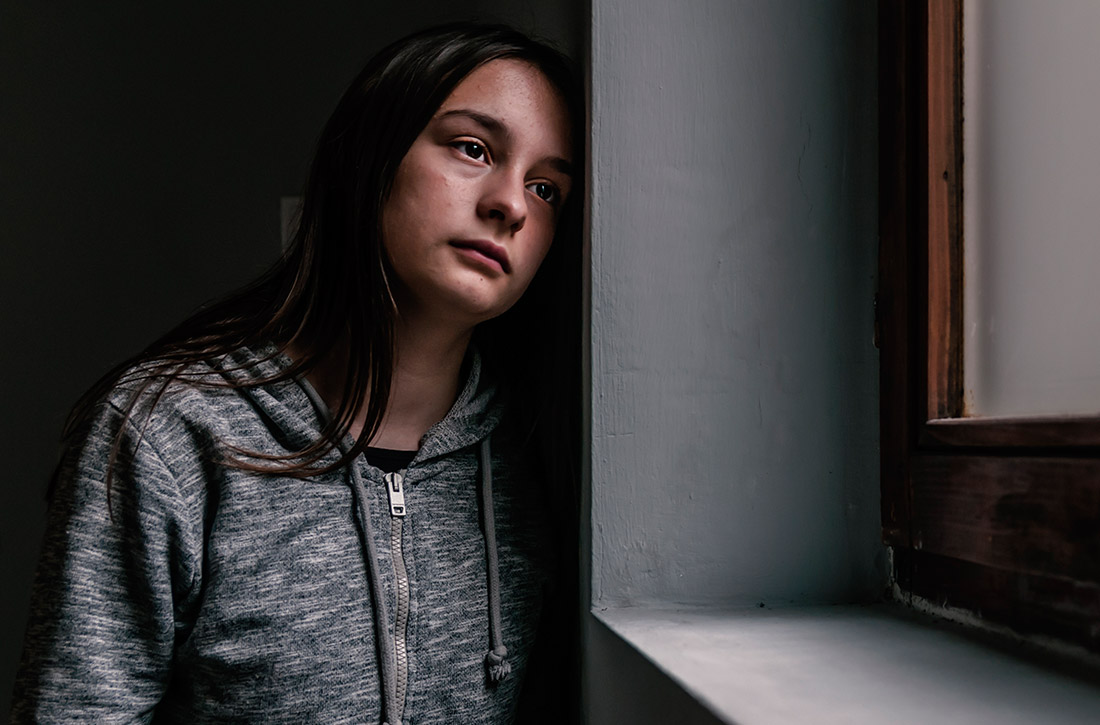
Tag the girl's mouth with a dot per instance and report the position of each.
(486, 250)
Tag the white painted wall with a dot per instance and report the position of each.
(734, 382)
(733, 400)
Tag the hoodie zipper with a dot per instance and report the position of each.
(395, 487)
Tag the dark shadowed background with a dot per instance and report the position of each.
(144, 149)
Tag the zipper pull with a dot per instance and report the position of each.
(395, 486)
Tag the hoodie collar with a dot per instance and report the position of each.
(474, 414)
(288, 412)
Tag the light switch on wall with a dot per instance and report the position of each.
(290, 208)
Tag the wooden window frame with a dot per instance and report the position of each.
(997, 516)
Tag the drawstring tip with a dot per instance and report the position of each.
(497, 664)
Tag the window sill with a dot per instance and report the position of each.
(850, 664)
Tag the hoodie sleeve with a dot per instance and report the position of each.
(101, 635)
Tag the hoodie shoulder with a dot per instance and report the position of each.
(235, 401)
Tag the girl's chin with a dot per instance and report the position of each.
(479, 296)
(463, 308)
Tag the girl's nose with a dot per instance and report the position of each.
(505, 202)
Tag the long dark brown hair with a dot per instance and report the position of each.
(330, 293)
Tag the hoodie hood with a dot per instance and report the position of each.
(286, 405)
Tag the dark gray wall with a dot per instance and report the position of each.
(143, 151)
(733, 232)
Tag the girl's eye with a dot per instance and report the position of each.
(473, 149)
(544, 191)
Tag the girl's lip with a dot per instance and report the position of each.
(487, 249)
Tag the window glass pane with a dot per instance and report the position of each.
(1031, 206)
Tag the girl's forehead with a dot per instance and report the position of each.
(511, 87)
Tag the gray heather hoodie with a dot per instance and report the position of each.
(210, 594)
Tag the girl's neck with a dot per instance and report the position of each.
(426, 379)
(425, 383)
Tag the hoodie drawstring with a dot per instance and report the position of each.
(496, 661)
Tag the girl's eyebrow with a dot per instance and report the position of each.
(495, 126)
(491, 124)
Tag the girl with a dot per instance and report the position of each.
(339, 494)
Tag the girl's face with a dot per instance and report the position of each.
(475, 201)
